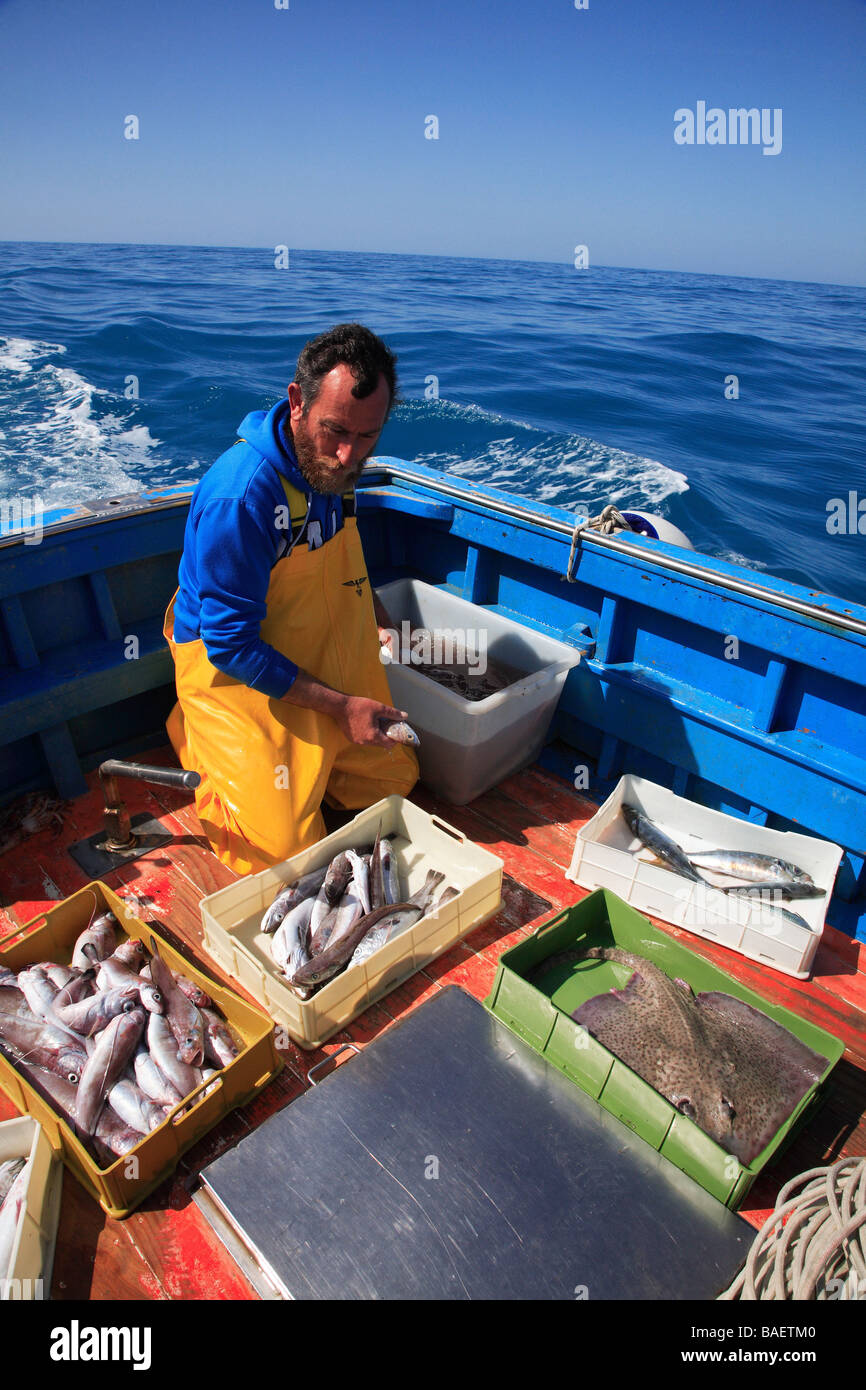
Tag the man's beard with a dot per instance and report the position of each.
(320, 473)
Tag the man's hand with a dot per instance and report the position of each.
(360, 720)
(364, 721)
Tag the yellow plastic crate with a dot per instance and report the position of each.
(125, 1183)
(28, 1275)
(232, 917)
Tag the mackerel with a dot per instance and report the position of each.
(778, 888)
(758, 868)
(661, 845)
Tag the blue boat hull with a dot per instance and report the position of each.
(694, 673)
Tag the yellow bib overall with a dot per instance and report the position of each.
(266, 765)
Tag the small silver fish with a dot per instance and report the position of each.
(287, 943)
(9, 1171)
(163, 1049)
(290, 895)
(402, 733)
(106, 1064)
(220, 1047)
(96, 942)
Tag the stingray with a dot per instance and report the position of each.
(728, 1067)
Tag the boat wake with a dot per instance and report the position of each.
(565, 470)
(63, 438)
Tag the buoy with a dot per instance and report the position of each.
(657, 528)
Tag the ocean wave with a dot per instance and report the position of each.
(566, 471)
(64, 438)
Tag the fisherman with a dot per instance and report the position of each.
(282, 696)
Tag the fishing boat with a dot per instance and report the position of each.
(743, 694)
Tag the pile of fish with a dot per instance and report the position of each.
(338, 915)
(466, 681)
(728, 1067)
(760, 875)
(115, 1040)
(14, 1173)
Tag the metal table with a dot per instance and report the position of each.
(449, 1161)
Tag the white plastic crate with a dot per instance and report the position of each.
(469, 746)
(232, 932)
(28, 1275)
(607, 855)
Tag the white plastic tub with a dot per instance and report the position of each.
(607, 855)
(467, 747)
(232, 917)
(28, 1275)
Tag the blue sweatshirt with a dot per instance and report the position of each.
(231, 543)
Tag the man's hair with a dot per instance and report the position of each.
(361, 351)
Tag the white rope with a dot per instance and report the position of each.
(607, 521)
(813, 1246)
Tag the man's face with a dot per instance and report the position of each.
(339, 432)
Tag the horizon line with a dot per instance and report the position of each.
(434, 255)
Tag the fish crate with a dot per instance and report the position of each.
(28, 1274)
(469, 746)
(540, 1013)
(128, 1180)
(606, 855)
(232, 917)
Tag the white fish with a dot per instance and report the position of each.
(403, 733)
(9, 1217)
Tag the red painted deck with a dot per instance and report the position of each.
(166, 1249)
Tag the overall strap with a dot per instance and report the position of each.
(299, 513)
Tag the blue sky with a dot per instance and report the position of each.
(305, 126)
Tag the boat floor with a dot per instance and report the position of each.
(166, 1249)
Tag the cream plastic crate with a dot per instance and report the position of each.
(232, 917)
(607, 855)
(28, 1275)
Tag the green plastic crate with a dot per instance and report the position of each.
(540, 1014)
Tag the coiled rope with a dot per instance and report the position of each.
(814, 1244)
(607, 521)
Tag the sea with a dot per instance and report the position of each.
(732, 407)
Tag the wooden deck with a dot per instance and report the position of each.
(166, 1250)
